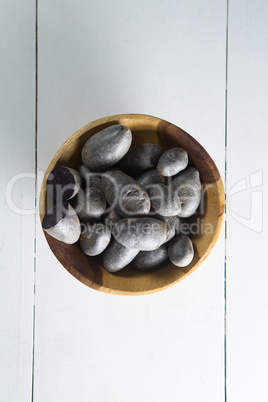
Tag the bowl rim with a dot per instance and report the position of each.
(152, 119)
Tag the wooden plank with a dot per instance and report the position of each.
(247, 275)
(164, 59)
(17, 116)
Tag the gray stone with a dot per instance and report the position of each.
(174, 222)
(165, 201)
(92, 179)
(94, 239)
(124, 194)
(149, 178)
(188, 186)
(172, 161)
(181, 251)
(190, 199)
(147, 260)
(110, 218)
(117, 256)
(143, 234)
(189, 176)
(106, 148)
(90, 204)
(140, 157)
(184, 227)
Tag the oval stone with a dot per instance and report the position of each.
(173, 222)
(91, 179)
(147, 260)
(140, 157)
(172, 161)
(117, 256)
(106, 148)
(143, 234)
(94, 239)
(165, 201)
(150, 177)
(90, 204)
(190, 199)
(181, 251)
(124, 194)
(189, 176)
(188, 186)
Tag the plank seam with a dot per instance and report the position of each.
(225, 184)
(36, 187)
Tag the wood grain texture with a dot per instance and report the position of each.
(128, 281)
(17, 131)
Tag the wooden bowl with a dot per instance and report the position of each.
(130, 281)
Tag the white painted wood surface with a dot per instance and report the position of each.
(100, 58)
(17, 128)
(247, 165)
(167, 59)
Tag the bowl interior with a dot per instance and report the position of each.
(207, 221)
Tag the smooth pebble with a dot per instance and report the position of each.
(91, 179)
(190, 199)
(181, 251)
(172, 161)
(140, 157)
(143, 234)
(124, 194)
(189, 176)
(147, 260)
(165, 201)
(94, 239)
(90, 204)
(188, 186)
(149, 178)
(117, 256)
(107, 147)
